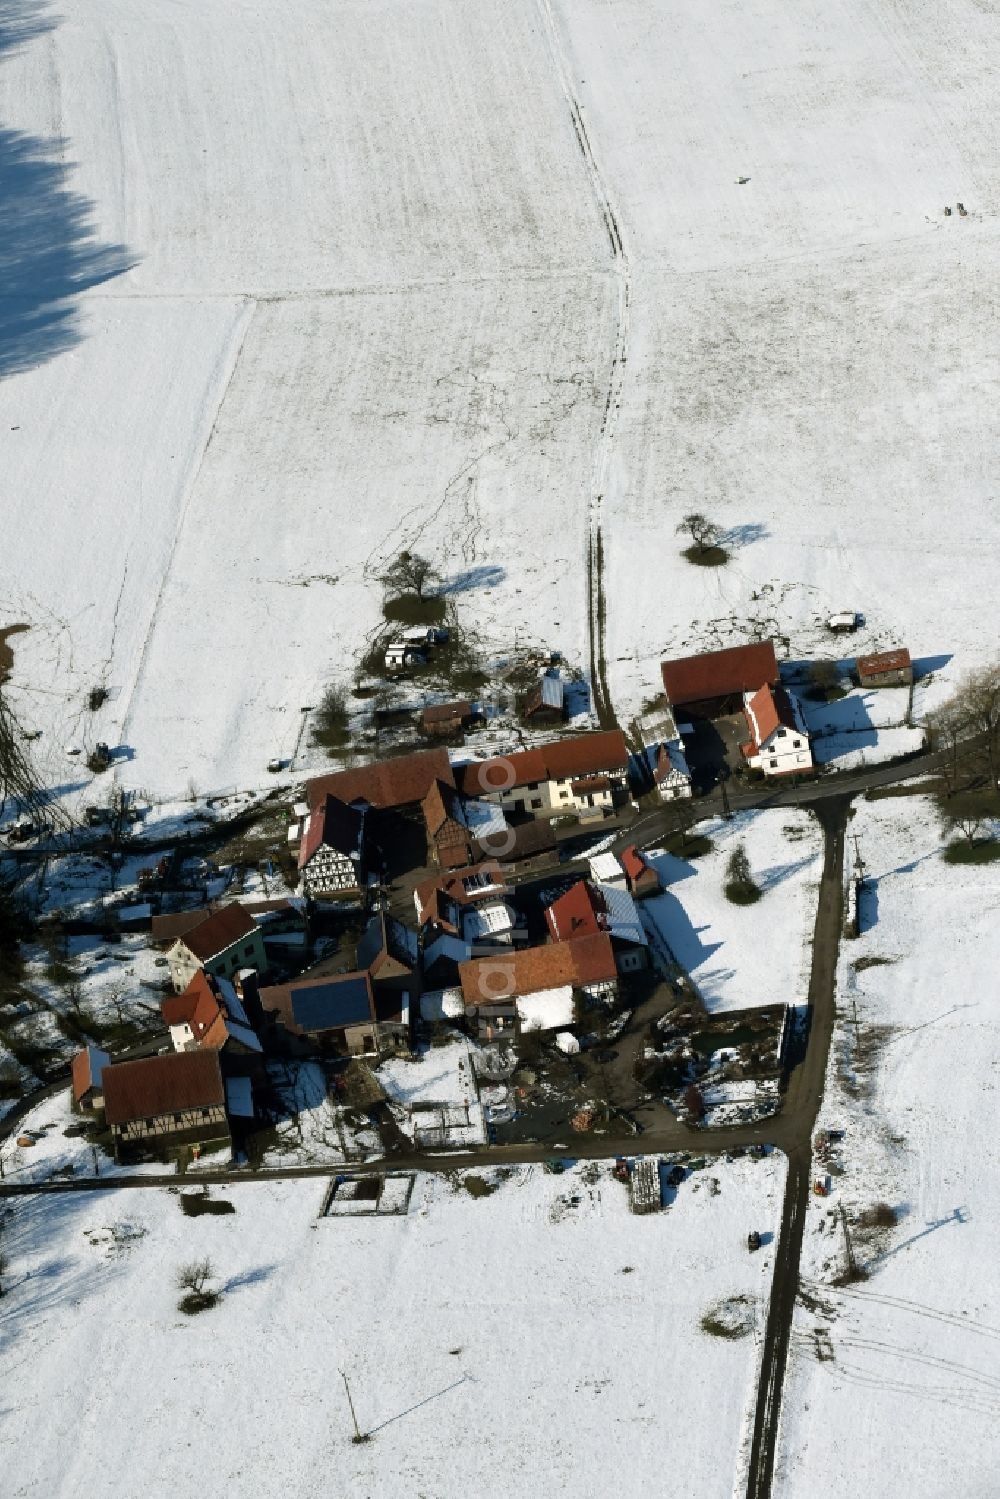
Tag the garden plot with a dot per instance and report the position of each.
(906, 1359)
(743, 955)
(438, 1095)
(313, 1128)
(456, 1393)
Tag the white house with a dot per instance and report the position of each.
(587, 773)
(779, 740)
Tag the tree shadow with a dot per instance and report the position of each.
(767, 879)
(487, 575)
(49, 250)
(254, 1277)
(744, 536)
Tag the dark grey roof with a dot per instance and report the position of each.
(341, 1001)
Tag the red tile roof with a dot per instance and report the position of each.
(464, 888)
(385, 783)
(637, 870)
(883, 661)
(86, 1063)
(580, 912)
(487, 777)
(768, 711)
(499, 979)
(741, 668)
(215, 933)
(162, 1085)
(562, 760)
(332, 824)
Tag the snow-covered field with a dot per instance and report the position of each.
(894, 1380)
(743, 955)
(364, 299)
(539, 1340)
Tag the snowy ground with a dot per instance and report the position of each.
(744, 955)
(363, 299)
(906, 1364)
(487, 1341)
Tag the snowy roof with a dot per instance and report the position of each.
(623, 918)
(143, 912)
(239, 1097)
(484, 819)
(606, 867)
(487, 920)
(546, 1010)
(442, 1004)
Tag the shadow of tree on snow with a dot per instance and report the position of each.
(49, 249)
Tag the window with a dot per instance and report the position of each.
(536, 802)
(774, 764)
(796, 744)
(177, 1118)
(782, 733)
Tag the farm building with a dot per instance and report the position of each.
(887, 669)
(671, 775)
(545, 703)
(87, 1069)
(331, 1012)
(714, 682)
(445, 719)
(641, 878)
(779, 740)
(587, 773)
(169, 1100)
(387, 785)
(536, 985)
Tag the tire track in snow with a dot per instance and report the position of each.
(241, 330)
(622, 267)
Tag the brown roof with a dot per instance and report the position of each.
(447, 712)
(162, 1085)
(581, 960)
(882, 661)
(637, 870)
(586, 755)
(169, 928)
(385, 783)
(219, 931)
(332, 824)
(770, 710)
(562, 760)
(590, 783)
(521, 840)
(463, 887)
(741, 668)
(487, 777)
(439, 805)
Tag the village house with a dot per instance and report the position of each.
(886, 669)
(449, 842)
(389, 953)
(209, 1014)
(444, 720)
(222, 943)
(545, 702)
(714, 683)
(779, 740)
(587, 774)
(671, 774)
(535, 987)
(385, 785)
(641, 878)
(332, 855)
(86, 1072)
(177, 1099)
(333, 1013)
(588, 908)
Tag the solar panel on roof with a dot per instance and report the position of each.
(328, 1007)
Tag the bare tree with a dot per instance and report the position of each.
(966, 812)
(410, 573)
(702, 531)
(825, 675)
(193, 1280)
(967, 725)
(19, 778)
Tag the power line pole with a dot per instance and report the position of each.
(359, 1435)
(852, 1264)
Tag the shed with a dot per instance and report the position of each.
(886, 669)
(446, 718)
(546, 701)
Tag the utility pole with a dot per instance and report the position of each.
(726, 809)
(859, 863)
(852, 1264)
(359, 1435)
